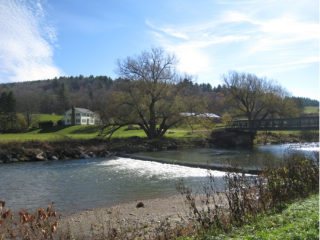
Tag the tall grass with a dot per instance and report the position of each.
(245, 197)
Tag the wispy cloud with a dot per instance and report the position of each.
(302, 61)
(284, 30)
(190, 43)
(169, 31)
(250, 39)
(25, 42)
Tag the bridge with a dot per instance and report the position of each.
(279, 124)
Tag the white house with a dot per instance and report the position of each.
(78, 116)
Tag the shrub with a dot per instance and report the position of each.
(45, 124)
(41, 225)
(23, 123)
(244, 197)
(59, 123)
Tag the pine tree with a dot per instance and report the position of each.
(63, 96)
(8, 114)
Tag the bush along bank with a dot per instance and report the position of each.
(11, 152)
(250, 198)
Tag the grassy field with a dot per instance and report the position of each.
(85, 132)
(309, 110)
(49, 117)
(299, 221)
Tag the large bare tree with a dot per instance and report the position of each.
(257, 98)
(151, 94)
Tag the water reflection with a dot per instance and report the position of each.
(247, 157)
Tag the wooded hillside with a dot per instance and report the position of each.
(58, 94)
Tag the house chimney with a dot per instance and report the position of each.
(73, 116)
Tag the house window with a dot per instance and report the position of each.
(78, 114)
(91, 121)
(69, 114)
(88, 115)
(77, 120)
(83, 114)
(68, 121)
(84, 120)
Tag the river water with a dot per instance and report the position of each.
(76, 185)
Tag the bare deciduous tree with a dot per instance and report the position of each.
(150, 94)
(257, 98)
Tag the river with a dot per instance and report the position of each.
(76, 185)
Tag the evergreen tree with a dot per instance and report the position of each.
(63, 96)
(8, 115)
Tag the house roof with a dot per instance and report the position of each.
(204, 115)
(82, 110)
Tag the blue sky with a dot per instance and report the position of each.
(274, 39)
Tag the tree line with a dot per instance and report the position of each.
(151, 93)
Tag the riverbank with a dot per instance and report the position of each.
(11, 152)
(152, 218)
(36, 150)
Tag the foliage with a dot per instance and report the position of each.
(63, 96)
(151, 95)
(226, 117)
(59, 123)
(43, 124)
(299, 221)
(41, 225)
(307, 102)
(246, 197)
(23, 123)
(257, 98)
(83, 92)
(8, 115)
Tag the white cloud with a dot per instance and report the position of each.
(302, 61)
(282, 31)
(191, 43)
(168, 30)
(25, 51)
(235, 17)
(263, 40)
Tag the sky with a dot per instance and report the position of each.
(276, 39)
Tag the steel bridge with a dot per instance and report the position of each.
(279, 124)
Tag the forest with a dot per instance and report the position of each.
(58, 94)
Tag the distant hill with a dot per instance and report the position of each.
(58, 94)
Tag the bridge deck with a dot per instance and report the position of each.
(280, 124)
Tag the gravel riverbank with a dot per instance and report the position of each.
(129, 218)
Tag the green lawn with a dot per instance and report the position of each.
(83, 132)
(49, 117)
(309, 110)
(299, 221)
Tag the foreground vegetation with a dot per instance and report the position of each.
(300, 220)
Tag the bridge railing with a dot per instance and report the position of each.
(303, 123)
